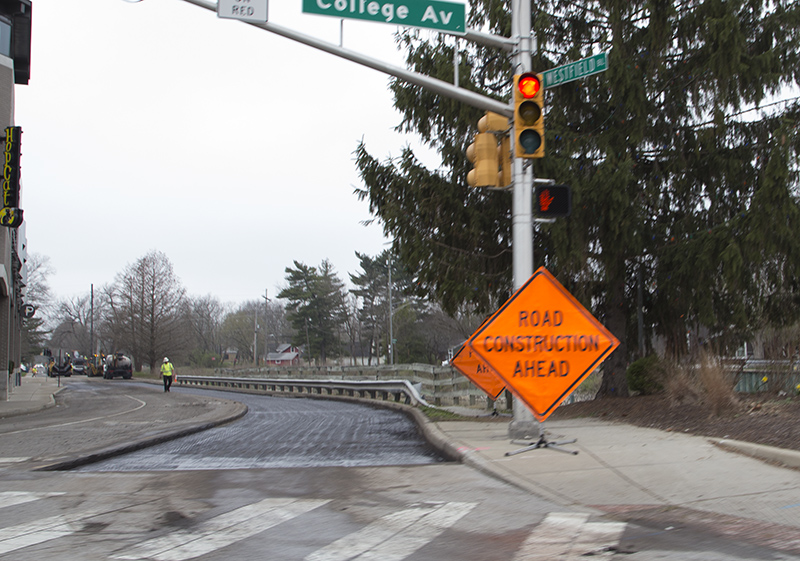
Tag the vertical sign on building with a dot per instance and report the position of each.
(11, 214)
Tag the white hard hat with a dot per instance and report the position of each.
(166, 359)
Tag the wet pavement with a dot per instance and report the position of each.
(287, 432)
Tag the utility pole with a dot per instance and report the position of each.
(266, 331)
(523, 425)
(91, 323)
(255, 336)
(391, 312)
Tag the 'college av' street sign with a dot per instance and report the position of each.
(429, 14)
(575, 70)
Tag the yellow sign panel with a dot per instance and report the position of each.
(542, 343)
(481, 374)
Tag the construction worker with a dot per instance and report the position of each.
(167, 372)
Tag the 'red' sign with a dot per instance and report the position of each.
(542, 343)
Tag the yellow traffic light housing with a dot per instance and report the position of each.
(528, 116)
(490, 168)
(483, 154)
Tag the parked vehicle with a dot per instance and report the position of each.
(96, 365)
(60, 367)
(118, 365)
(80, 365)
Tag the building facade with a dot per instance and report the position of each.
(15, 57)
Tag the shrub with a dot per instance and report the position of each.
(203, 359)
(718, 387)
(645, 375)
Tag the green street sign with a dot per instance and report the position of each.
(575, 70)
(428, 14)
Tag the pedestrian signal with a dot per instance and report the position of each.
(552, 201)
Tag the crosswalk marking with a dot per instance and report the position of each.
(11, 498)
(222, 530)
(38, 531)
(394, 536)
(597, 539)
(569, 537)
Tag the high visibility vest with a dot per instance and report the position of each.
(166, 369)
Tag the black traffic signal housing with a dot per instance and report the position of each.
(552, 201)
(528, 115)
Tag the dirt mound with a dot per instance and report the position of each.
(768, 420)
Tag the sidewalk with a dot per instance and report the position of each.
(35, 393)
(637, 473)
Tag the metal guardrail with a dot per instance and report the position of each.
(401, 391)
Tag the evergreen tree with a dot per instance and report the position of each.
(371, 287)
(682, 171)
(315, 307)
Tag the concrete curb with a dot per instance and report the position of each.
(67, 463)
(438, 439)
(786, 458)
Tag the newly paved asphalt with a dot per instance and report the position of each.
(630, 472)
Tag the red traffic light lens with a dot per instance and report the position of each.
(529, 85)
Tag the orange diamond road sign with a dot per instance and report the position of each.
(481, 374)
(542, 343)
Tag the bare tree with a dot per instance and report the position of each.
(204, 315)
(37, 293)
(144, 310)
(73, 329)
(239, 328)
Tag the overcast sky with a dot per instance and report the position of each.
(157, 125)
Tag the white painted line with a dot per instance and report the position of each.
(11, 498)
(49, 427)
(370, 536)
(38, 531)
(569, 537)
(221, 531)
(596, 540)
(410, 539)
(553, 538)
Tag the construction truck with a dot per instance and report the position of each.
(118, 364)
(60, 365)
(97, 365)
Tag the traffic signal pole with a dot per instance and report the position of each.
(524, 425)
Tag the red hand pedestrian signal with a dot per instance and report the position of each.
(545, 198)
(551, 201)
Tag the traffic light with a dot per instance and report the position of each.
(528, 116)
(552, 201)
(505, 162)
(485, 154)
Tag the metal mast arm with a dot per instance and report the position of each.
(433, 84)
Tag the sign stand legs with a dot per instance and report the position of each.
(543, 443)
